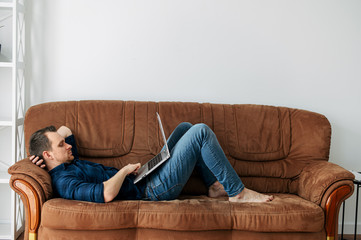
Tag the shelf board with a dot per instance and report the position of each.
(6, 123)
(9, 123)
(5, 231)
(4, 177)
(6, 4)
(5, 62)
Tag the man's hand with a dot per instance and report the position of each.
(131, 168)
(64, 131)
(37, 161)
(112, 185)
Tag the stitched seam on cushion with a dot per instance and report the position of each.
(250, 214)
(130, 211)
(260, 214)
(137, 212)
(231, 215)
(168, 213)
(122, 131)
(62, 210)
(87, 211)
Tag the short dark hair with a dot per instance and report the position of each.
(39, 142)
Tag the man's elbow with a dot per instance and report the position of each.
(109, 195)
(64, 131)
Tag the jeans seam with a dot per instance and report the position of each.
(211, 150)
(162, 182)
(159, 195)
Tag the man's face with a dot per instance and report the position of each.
(60, 150)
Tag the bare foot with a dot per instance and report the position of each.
(248, 195)
(216, 190)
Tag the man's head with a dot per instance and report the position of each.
(50, 146)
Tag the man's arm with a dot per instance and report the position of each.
(69, 185)
(112, 185)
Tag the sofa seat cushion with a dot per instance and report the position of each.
(286, 213)
(194, 213)
(65, 214)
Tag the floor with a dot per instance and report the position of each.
(349, 237)
(21, 237)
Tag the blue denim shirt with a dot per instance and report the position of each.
(83, 180)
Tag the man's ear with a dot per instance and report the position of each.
(47, 155)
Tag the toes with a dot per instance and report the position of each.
(270, 198)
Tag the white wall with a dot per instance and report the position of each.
(303, 54)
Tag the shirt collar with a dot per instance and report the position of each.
(61, 167)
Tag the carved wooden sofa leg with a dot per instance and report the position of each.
(31, 202)
(333, 204)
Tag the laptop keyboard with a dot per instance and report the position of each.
(154, 161)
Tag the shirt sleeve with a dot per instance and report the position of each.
(70, 187)
(71, 140)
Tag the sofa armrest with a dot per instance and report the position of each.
(33, 184)
(327, 185)
(320, 177)
(27, 169)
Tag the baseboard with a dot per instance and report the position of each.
(349, 228)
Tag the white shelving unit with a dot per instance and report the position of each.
(12, 112)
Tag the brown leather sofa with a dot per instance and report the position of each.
(275, 150)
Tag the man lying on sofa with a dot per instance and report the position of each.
(191, 146)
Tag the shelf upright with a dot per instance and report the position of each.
(12, 123)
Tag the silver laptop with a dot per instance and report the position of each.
(158, 160)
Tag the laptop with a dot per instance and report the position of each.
(155, 162)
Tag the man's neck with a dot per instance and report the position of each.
(52, 164)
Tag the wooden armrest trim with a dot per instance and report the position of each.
(31, 199)
(333, 204)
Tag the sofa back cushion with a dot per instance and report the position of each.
(103, 129)
(257, 133)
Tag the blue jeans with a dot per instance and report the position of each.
(192, 147)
